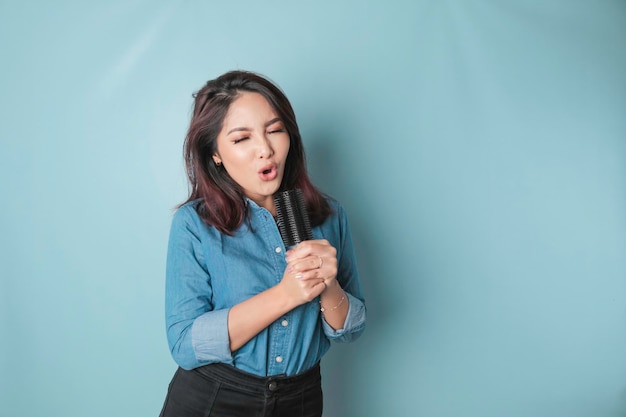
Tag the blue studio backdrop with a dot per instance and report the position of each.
(479, 148)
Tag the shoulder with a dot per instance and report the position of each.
(186, 213)
(337, 220)
(186, 219)
(336, 209)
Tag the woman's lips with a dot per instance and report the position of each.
(268, 173)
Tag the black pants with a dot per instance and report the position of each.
(224, 391)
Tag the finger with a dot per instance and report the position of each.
(313, 274)
(319, 287)
(321, 262)
(308, 248)
(306, 264)
(311, 263)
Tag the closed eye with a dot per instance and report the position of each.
(276, 131)
(236, 141)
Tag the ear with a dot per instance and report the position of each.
(217, 159)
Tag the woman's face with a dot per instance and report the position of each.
(253, 146)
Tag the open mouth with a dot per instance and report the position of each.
(267, 169)
(268, 173)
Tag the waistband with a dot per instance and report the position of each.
(248, 382)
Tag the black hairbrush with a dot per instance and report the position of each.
(292, 217)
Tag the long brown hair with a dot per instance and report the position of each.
(220, 200)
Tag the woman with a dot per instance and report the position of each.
(248, 319)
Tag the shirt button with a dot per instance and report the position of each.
(285, 323)
(278, 249)
(279, 359)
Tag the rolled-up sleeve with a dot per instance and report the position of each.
(348, 278)
(354, 324)
(197, 334)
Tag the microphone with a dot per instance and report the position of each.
(292, 217)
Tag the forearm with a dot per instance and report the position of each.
(334, 305)
(250, 317)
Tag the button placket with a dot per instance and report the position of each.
(280, 329)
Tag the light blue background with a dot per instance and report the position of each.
(479, 148)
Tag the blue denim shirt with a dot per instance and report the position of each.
(209, 272)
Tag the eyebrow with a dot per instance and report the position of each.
(247, 129)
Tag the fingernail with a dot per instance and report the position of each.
(299, 275)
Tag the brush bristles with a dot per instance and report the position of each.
(292, 217)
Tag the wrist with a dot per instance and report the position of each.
(332, 302)
(332, 293)
(283, 297)
(331, 286)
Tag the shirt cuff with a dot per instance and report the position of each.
(209, 337)
(353, 325)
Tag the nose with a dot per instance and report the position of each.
(265, 148)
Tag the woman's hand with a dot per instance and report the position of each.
(311, 268)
